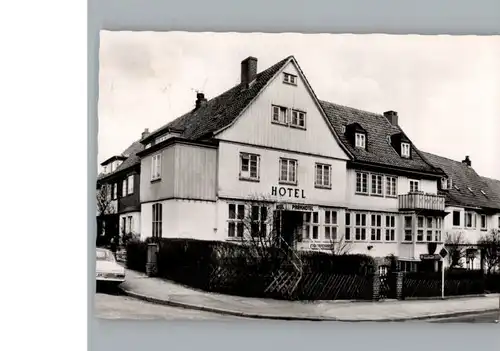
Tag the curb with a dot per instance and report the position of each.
(295, 318)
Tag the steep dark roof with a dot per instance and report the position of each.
(220, 111)
(378, 149)
(131, 159)
(494, 188)
(463, 176)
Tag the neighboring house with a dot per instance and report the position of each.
(472, 201)
(121, 175)
(329, 171)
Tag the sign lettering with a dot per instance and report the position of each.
(291, 192)
(320, 246)
(424, 257)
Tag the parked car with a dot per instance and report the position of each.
(108, 271)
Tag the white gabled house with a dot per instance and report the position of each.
(332, 172)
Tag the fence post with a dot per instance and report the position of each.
(152, 260)
(399, 285)
(376, 286)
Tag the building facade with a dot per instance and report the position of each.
(325, 172)
(473, 204)
(121, 177)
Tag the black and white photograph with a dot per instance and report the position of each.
(298, 177)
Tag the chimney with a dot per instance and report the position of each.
(145, 133)
(392, 117)
(200, 100)
(467, 161)
(248, 70)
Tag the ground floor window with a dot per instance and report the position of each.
(408, 228)
(408, 266)
(235, 222)
(157, 220)
(360, 227)
(330, 225)
(390, 228)
(259, 221)
(311, 225)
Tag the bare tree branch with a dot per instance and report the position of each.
(104, 200)
(491, 243)
(454, 243)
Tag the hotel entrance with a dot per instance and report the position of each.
(289, 223)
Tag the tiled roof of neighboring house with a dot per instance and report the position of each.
(494, 187)
(222, 110)
(464, 177)
(131, 160)
(378, 148)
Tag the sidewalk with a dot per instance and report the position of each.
(165, 292)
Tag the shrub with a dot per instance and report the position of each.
(136, 255)
(338, 264)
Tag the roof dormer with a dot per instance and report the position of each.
(357, 135)
(446, 183)
(402, 145)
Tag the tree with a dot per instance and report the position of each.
(104, 200)
(455, 243)
(491, 247)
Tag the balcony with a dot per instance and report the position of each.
(421, 201)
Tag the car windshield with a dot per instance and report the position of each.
(104, 255)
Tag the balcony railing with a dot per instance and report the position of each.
(421, 201)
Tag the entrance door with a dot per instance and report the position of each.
(291, 225)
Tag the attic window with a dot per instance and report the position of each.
(468, 188)
(289, 79)
(160, 139)
(343, 129)
(360, 140)
(482, 192)
(148, 146)
(456, 187)
(405, 150)
(446, 183)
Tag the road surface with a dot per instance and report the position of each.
(117, 306)
(490, 317)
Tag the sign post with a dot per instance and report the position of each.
(443, 253)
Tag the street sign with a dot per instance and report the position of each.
(443, 253)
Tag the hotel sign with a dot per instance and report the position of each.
(320, 246)
(288, 192)
(296, 207)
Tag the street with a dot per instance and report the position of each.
(114, 305)
(490, 317)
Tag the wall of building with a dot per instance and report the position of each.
(230, 185)
(187, 172)
(255, 125)
(136, 222)
(181, 219)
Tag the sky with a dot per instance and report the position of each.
(446, 89)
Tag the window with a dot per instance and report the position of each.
(362, 183)
(390, 228)
(289, 79)
(470, 220)
(446, 183)
(420, 228)
(162, 138)
(484, 225)
(280, 114)
(115, 191)
(130, 183)
(124, 225)
(430, 223)
(468, 188)
(105, 169)
(129, 222)
(298, 119)
(311, 225)
(408, 228)
(157, 220)
(376, 227)
(437, 232)
(348, 226)
(259, 221)
(330, 225)
(156, 167)
(405, 150)
(376, 184)
(323, 175)
(124, 188)
(414, 186)
(249, 166)
(288, 171)
(235, 221)
(456, 218)
(360, 140)
(360, 227)
(391, 186)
